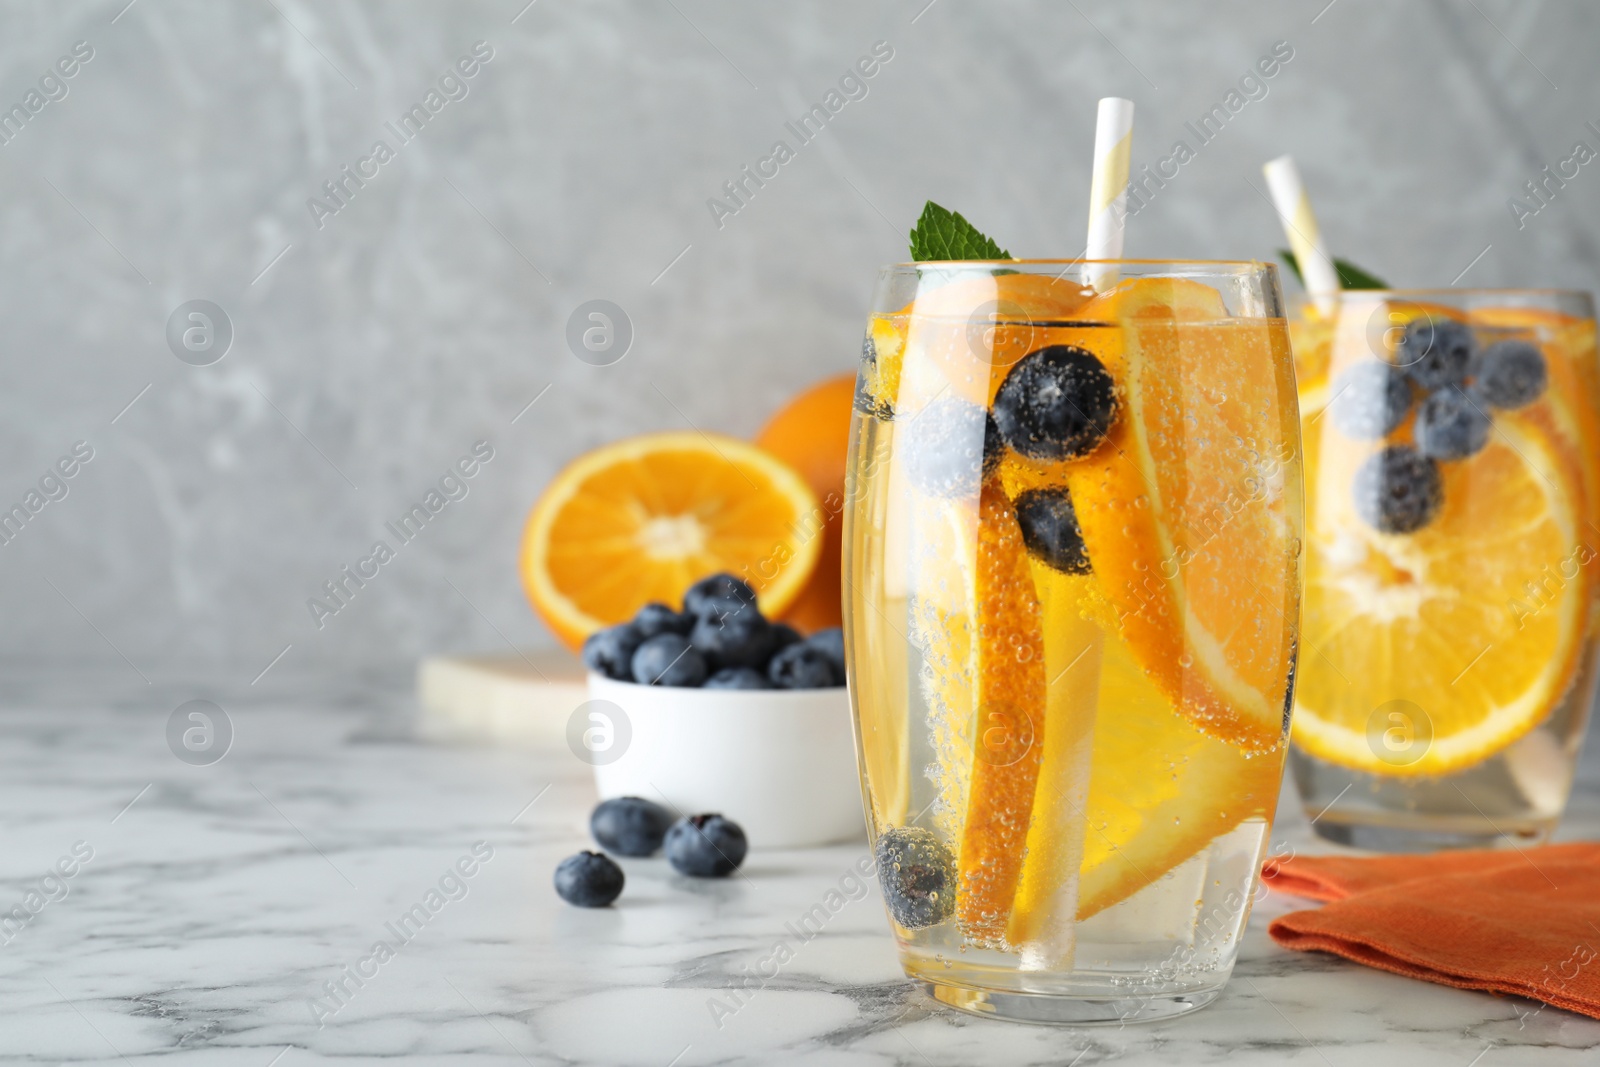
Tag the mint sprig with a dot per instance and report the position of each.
(1350, 275)
(943, 234)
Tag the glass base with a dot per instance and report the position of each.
(1055, 1009)
(1416, 833)
(1510, 800)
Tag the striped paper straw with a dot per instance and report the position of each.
(1108, 194)
(1300, 226)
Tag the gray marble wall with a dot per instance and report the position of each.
(375, 339)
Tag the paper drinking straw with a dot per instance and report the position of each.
(1045, 929)
(1108, 193)
(1300, 226)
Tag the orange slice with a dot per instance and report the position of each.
(1160, 788)
(1311, 338)
(1439, 648)
(1009, 733)
(878, 384)
(1190, 510)
(1044, 914)
(963, 335)
(1570, 407)
(644, 518)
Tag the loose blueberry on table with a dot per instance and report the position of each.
(589, 880)
(630, 826)
(706, 846)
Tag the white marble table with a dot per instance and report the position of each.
(220, 899)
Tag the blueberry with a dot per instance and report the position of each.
(917, 875)
(1050, 530)
(865, 402)
(1057, 403)
(1397, 490)
(655, 618)
(1451, 424)
(951, 446)
(610, 651)
(737, 678)
(736, 638)
(1370, 400)
(719, 608)
(784, 635)
(717, 587)
(1511, 374)
(629, 826)
(588, 880)
(706, 846)
(801, 667)
(1435, 352)
(830, 643)
(669, 659)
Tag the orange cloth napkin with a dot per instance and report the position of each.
(1525, 922)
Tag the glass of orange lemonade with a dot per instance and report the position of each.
(1448, 644)
(1072, 562)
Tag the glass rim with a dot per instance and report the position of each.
(1205, 266)
(1445, 290)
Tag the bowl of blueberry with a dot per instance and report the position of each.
(714, 707)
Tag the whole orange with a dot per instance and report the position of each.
(812, 434)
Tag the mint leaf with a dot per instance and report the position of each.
(942, 234)
(1350, 275)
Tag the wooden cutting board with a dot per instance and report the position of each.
(512, 697)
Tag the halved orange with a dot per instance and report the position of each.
(644, 518)
(1190, 510)
(812, 434)
(1467, 629)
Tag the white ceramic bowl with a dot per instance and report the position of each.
(779, 762)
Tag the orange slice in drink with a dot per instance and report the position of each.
(1160, 788)
(1044, 914)
(644, 518)
(1188, 509)
(1311, 338)
(1438, 648)
(1009, 733)
(1568, 407)
(878, 381)
(964, 334)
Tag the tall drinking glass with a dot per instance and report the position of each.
(1448, 647)
(1072, 574)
